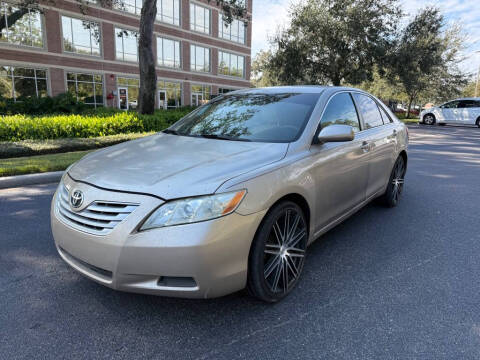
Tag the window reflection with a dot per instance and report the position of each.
(17, 83)
(199, 58)
(168, 52)
(21, 25)
(126, 45)
(231, 64)
(255, 117)
(341, 111)
(81, 36)
(87, 88)
(199, 18)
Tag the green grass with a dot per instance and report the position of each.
(39, 164)
(410, 121)
(10, 149)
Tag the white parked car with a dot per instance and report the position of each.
(464, 111)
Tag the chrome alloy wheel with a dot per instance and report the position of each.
(284, 252)
(398, 179)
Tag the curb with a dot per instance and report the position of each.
(30, 179)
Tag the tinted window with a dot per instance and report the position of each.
(468, 104)
(450, 105)
(254, 117)
(340, 110)
(369, 109)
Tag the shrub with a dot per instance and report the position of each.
(64, 103)
(98, 123)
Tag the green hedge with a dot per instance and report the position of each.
(96, 123)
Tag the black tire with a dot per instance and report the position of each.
(282, 257)
(478, 122)
(429, 119)
(395, 183)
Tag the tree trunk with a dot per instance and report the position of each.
(409, 107)
(148, 76)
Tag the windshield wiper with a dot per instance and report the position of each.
(170, 131)
(222, 137)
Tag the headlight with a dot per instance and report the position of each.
(186, 211)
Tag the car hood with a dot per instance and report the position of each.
(170, 166)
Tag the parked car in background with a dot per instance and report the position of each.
(231, 195)
(464, 111)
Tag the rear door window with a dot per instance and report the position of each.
(385, 117)
(369, 110)
(341, 110)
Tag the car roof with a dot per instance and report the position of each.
(307, 89)
(467, 98)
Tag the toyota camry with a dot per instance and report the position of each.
(231, 195)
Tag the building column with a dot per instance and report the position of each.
(53, 30)
(57, 81)
(187, 94)
(108, 32)
(110, 90)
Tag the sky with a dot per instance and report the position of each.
(268, 15)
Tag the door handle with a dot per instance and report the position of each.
(365, 146)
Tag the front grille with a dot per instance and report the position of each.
(98, 218)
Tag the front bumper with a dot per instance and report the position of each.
(200, 260)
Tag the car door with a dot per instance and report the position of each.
(468, 110)
(380, 141)
(450, 112)
(340, 169)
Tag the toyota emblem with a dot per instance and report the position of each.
(76, 199)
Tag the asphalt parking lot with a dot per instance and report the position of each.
(399, 283)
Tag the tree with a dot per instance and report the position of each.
(262, 76)
(148, 78)
(425, 59)
(334, 41)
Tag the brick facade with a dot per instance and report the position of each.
(58, 62)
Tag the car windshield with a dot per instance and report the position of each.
(250, 117)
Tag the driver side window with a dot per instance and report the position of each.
(450, 105)
(341, 111)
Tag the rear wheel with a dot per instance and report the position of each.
(478, 122)
(395, 184)
(429, 119)
(278, 253)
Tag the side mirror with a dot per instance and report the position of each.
(336, 133)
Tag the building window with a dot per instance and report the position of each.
(168, 11)
(201, 94)
(88, 88)
(128, 89)
(25, 30)
(131, 6)
(168, 52)
(231, 64)
(169, 94)
(126, 45)
(233, 32)
(17, 83)
(81, 36)
(199, 18)
(224, 90)
(199, 58)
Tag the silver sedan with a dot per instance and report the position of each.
(231, 195)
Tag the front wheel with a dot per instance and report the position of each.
(278, 253)
(478, 122)
(395, 184)
(429, 119)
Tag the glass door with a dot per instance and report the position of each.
(197, 99)
(123, 98)
(162, 99)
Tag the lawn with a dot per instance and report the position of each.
(10, 149)
(39, 164)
